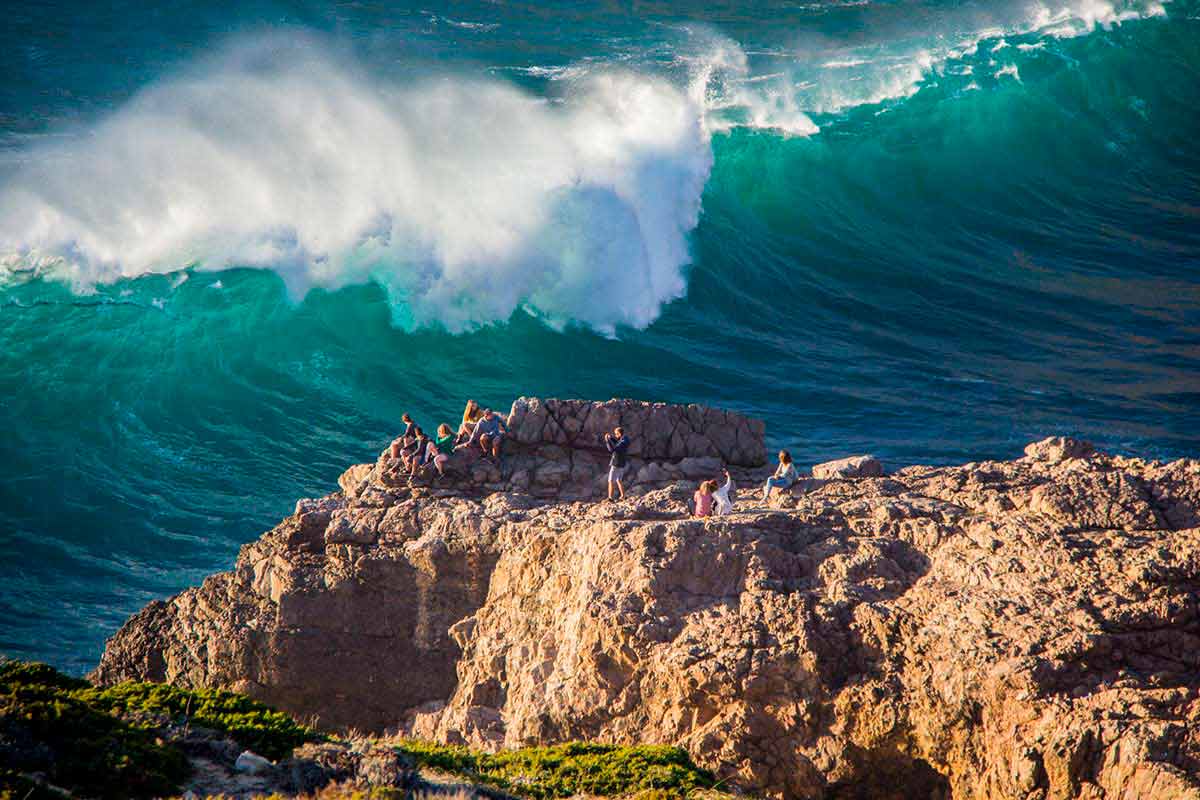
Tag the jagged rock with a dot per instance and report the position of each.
(351, 481)
(653, 473)
(657, 431)
(1003, 629)
(1054, 449)
(316, 765)
(555, 450)
(702, 468)
(852, 467)
(353, 525)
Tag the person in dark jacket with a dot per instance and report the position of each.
(618, 444)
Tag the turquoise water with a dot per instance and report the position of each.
(236, 247)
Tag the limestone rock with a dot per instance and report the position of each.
(1054, 449)
(1002, 629)
(352, 479)
(852, 467)
(657, 431)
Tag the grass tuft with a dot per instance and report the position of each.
(251, 724)
(659, 771)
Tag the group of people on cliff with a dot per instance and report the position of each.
(480, 428)
(483, 429)
(710, 500)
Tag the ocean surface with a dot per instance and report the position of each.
(236, 245)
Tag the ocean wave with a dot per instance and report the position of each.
(895, 69)
(467, 199)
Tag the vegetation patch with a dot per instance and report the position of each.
(251, 724)
(59, 734)
(114, 742)
(659, 771)
(47, 729)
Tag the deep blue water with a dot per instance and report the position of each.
(237, 246)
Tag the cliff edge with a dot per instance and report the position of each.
(1011, 629)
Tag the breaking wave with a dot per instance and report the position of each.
(465, 198)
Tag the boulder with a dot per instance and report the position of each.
(352, 479)
(355, 526)
(653, 473)
(700, 468)
(852, 467)
(252, 763)
(1054, 449)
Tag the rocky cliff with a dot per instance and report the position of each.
(1017, 629)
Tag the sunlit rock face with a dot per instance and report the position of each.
(1009, 629)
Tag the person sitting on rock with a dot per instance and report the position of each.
(402, 444)
(471, 415)
(724, 501)
(489, 432)
(618, 444)
(784, 477)
(704, 498)
(440, 449)
(416, 455)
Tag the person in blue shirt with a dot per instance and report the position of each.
(784, 477)
(489, 432)
(618, 444)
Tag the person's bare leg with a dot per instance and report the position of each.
(621, 487)
(610, 487)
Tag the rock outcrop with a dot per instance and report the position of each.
(852, 467)
(1010, 629)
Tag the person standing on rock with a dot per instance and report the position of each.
(618, 444)
(784, 476)
(489, 431)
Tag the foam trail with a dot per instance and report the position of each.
(897, 68)
(465, 198)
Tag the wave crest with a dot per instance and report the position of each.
(465, 198)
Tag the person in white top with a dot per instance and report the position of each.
(724, 503)
(784, 476)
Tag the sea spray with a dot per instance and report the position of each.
(466, 198)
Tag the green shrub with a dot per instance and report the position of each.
(80, 748)
(105, 742)
(570, 769)
(251, 724)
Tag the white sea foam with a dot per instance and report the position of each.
(878, 78)
(721, 83)
(845, 63)
(465, 198)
